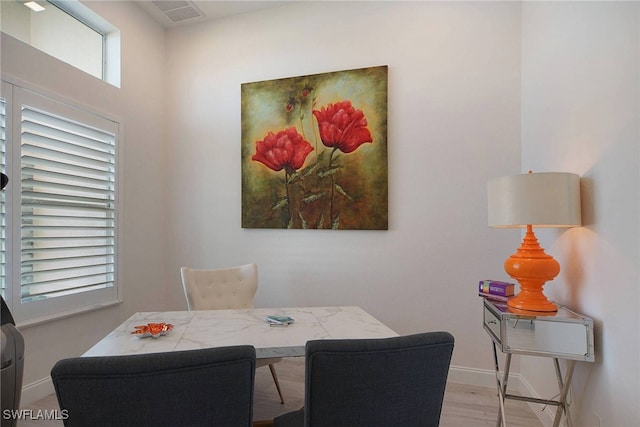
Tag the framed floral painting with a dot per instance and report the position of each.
(314, 151)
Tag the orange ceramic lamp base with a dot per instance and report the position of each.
(532, 268)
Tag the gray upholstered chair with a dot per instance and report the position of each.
(390, 382)
(225, 288)
(12, 366)
(208, 387)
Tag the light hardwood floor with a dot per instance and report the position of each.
(464, 405)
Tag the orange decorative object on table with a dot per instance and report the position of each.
(532, 268)
(547, 199)
(152, 330)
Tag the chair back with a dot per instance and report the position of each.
(223, 288)
(207, 387)
(388, 382)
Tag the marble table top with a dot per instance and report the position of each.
(218, 328)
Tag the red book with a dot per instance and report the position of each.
(495, 287)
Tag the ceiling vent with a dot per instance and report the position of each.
(178, 10)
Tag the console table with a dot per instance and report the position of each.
(561, 335)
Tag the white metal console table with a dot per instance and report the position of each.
(562, 335)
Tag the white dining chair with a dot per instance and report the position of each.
(224, 289)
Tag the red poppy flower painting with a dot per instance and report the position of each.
(343, 127)
(284, 150)
(314, 151)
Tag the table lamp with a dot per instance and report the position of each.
(549, 199)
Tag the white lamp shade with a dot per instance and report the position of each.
(547, 199)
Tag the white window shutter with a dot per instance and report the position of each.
(64, 253)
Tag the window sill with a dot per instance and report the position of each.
(46, 319)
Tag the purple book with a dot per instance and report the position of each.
(493, 297)
(495, 287)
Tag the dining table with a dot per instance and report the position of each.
(199, 329)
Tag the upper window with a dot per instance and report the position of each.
(59, 221)
(67, 30)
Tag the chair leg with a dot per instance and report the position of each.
(275, 380)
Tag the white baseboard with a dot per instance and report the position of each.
(36, 390)
(480, 377)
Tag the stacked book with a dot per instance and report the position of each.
(274, 320)
(496, 290)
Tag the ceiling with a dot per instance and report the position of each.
(170, 13)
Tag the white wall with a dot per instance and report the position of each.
(454, 121)
(580, 113)
(454, 115)
(140, 103)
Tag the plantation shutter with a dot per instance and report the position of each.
(59, 217)
(68, 206)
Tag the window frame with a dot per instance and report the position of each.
(36, 312)
(111, 51)
(110, 55)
